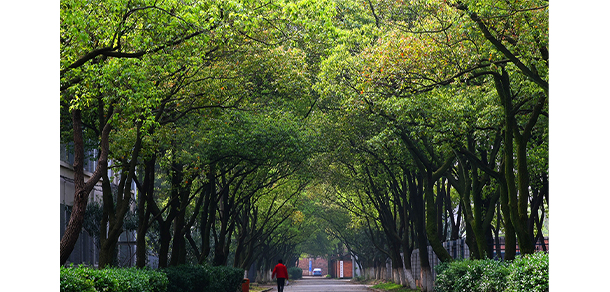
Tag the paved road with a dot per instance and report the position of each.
(317, 284)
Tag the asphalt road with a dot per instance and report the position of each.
(318, 284)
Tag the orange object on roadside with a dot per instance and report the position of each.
(245, 285)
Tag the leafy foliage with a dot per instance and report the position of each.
(186, 278)
(224, 279)
(525, 273)
(529, 273)
(471, 275)
(81, 278)
(265, 96)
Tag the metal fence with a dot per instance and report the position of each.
(458, 249)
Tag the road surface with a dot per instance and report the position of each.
(319, 284)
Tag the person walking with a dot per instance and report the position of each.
(281, 273)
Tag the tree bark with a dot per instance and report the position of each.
(145, 190)
(182, 194)
(81, 188)
(416, 190)
(518, 190)
(115, 214)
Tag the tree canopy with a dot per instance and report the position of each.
(261, 129)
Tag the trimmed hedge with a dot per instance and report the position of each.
(224, 279)
(525, 273)
(77, 279)
(295, 273)
(184, 278)
(530, 273)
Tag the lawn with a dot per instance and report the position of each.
(393, 287)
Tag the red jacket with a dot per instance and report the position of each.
(281, 271)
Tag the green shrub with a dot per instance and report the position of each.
(75, 280)
(529, 273)
(295, 273)
(224, 279)
(471, 275)
(111, 280)
(187, 278)
(203, 278)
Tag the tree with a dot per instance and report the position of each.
(89, 35)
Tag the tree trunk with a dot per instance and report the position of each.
(471, 241)
(440, 197)
(435, 242)
(115, 214)
(497, 233)
(208, 214)
(182, 194)
(410, 281)
(164, 241)
(146, 189)
(427, 281)
(416, 190)
(81, 188)
(397, 267)
(517, 188)
(510, 240)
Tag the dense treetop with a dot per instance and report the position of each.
(264, 128)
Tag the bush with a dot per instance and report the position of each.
(187, 278)
(224, 279)
(111, 280)
(529, 273)
(471, 275)
(295, 273)
(75, 280)
(203, 278)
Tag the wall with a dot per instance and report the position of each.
(347, 268)
(315, 263)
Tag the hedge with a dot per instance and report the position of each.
(77, 279)
(525, 273)
(184, 278)
(529, 273)
(224, 279)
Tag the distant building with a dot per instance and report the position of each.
(342, 267)
(86, 250)
(310, 263)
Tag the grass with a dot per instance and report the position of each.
(393, 287)
(256, 287)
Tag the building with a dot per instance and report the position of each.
(342, 267)
(310, 263)
(86, 250)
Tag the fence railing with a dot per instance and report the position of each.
(458, 249)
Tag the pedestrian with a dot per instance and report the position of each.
(281, 273)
